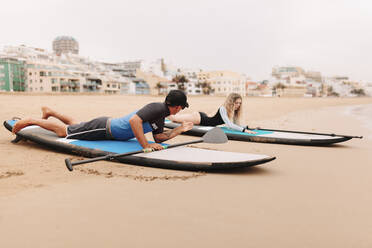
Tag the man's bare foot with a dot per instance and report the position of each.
(21, 124)
(46, 112)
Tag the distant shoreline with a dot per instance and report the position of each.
(161, 95)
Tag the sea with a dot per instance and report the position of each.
(363, 113)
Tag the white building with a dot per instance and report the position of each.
(224, 82)
(48, 72)
(338, 85)
(193, 87)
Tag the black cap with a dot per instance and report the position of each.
(177, 98)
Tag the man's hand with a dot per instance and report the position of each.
(154, 146)
(186, 126)
(169, 134)
(136, 124)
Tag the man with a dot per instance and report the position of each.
(150, 118)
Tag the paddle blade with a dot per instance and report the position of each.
(215, 136)
(68, 164)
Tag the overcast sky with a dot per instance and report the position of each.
(330, 36)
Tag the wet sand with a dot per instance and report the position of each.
(307, 197)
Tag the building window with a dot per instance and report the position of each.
(41, 80)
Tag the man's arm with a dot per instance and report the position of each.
(136, 124)
(169, 134)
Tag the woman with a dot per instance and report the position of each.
(229, 114)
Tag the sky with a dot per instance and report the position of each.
(251, 37)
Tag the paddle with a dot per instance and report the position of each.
(325, 134)
(213, 136)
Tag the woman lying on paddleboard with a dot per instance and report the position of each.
(229, 114)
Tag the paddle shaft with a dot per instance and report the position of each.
(70, 164)
(332, 134)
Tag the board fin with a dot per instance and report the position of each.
(17, 139)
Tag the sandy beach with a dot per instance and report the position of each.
(307, 197)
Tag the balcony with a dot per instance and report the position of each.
(69, 83)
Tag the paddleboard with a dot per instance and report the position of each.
(179, 158)
(271, 135)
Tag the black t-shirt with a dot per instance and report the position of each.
(155, 114)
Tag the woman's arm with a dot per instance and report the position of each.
(228, 122)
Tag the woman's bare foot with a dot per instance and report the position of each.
(47, 112)
(250, 132)
(21, 124)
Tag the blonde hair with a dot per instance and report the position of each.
(235, 116)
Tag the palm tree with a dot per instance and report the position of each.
(358, 92)
(159, 86)
(331, 92)
(180, 80)
(279, 86)
(207, 88)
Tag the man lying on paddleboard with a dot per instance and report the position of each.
(149, 118)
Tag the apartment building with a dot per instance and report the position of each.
(48, 72)
(287, 71)
(50, 77)
(224, 82)
(65, 44)
(192, 87)
(295, 81)
(12, 75)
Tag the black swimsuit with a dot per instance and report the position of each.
(216, 120)
(219, 118)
